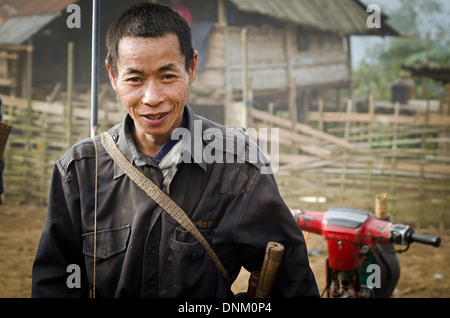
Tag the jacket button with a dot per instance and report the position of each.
(194, 256)
(151, 250)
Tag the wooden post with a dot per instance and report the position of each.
(271, 110)
(349, 67)
(369, 176)
(288, 49)
(370, 140)
(394, 145)
(422, 197)
(293, 109)
(245, 77)
(228, 102)
(221, 13)
(339, 100)
(424, 134)
(304, 107)
(244, 57)
(320, 101)
(347, 124)
(445, 108)
(444, 207)
(423, 203)
(343, 177)
(395, 132)
(372, 122)
(45, 171)
(346, 137)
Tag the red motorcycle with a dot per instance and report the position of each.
(357, 241)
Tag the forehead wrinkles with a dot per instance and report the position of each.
(163, 50)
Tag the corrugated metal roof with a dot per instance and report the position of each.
(14, 8)
(17, 30)
(340, 16)
(21, 19)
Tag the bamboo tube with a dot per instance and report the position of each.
(272, 259)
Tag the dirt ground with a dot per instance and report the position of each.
(424, 270)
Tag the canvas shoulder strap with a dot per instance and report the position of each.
(159, 196)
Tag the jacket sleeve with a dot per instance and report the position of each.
(264, 218)
(60, 244)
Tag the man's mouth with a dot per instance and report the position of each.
(155, 119)
(158, 116)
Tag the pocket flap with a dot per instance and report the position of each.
(109, 242)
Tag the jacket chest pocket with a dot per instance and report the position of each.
(109, 242)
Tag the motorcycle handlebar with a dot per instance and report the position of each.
(425, 239)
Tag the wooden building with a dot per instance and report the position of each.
(436, 72)
(252, 52)
(288, 54)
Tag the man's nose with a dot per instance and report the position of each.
(152, 94)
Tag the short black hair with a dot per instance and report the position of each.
(148, 20)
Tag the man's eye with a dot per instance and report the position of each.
(168, 76)
(134, 79)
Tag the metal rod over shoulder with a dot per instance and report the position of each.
(94, 66)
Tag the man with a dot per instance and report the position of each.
(140, 250)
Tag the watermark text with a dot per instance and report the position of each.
(374, 19)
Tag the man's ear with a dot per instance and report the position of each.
(193, 68)
(112, 76)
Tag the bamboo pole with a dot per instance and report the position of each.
(347, 123)
(394, 145)
(45, 168)
(244, 56)
(371, 114)
(293, 108)
(347, 117)
(320, 102)
(302, 128)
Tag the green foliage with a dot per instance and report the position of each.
(383, 65)
(376, 77)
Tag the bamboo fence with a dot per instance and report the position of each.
(346, 160)
(42, 132)
(364, 154)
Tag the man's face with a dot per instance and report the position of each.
(153, 85)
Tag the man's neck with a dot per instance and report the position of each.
(149, 144)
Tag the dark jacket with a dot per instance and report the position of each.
(141, 250)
